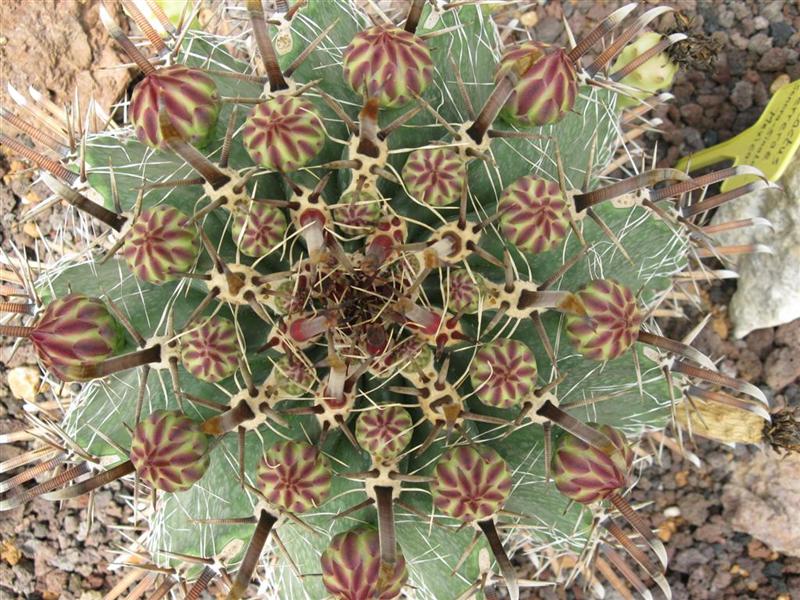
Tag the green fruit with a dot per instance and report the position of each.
(654, 75)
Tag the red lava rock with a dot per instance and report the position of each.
(782, 367)
(789, 334)
(760, 340)
(692, 113)
(694, 508)
(762, 499)
(749, 365)
(714, 532)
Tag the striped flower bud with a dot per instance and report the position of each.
(503, 373)
(534, 216)
(76, 330)
(259, 229)
(161, 242)
(547, 86)
(210, 352)
(585, 474)
(435, 176)
(190, 98)
(169, 451)
(294, 476)
(611, 323)
(384, 432)
(351, 568)
(283, 134)
(471, 483)
(389, 64)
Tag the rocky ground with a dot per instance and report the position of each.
(52, 552)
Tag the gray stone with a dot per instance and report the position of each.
(781, 32)
(782, 367)
(760, 23)
(761, 500)
(774, 59)
(726, 18)
(742, 95)
(549, 29)
(768, 289)
(773, 11)
(759, 43)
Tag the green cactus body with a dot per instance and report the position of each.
(360, 290)
(169, 451)
(189, 95)
(584, 474)
(75, 330)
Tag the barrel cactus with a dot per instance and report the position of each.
(343, 293)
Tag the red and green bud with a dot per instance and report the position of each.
(355, 213)
(410, 354)
(471, 483)
(503, 373)
(292, 293)
(75, 330)
(293, 377)
(258, 229)
(210, 352)
(283, 134)
(586, 474)
(435, 176)
(294, 476)
(351, 568)
(389, 64)
(547, 86)
(384, 432)
(169, 451)
(161, 242)
(465, 291)
(533, 214)
(611, 323)
(190, 98)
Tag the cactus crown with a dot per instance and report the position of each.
(363, 263)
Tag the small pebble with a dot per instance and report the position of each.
(759, 43)
(781, 32)
(742, 95)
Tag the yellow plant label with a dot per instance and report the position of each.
(769, 145)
